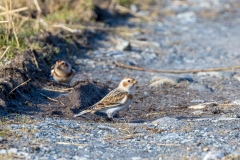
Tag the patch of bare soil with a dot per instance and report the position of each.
(26, 88)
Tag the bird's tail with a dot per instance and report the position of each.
(81, 113)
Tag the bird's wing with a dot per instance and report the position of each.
(114, 98)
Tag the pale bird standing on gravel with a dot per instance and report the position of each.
(118, 99)
(62, 72)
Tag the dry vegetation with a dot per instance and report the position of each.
(26, 18)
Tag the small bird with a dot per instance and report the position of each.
(62, 72)
(118, 99)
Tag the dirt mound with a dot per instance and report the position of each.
(26, 88)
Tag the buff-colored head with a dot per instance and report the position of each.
(63, 66)
(127, 84)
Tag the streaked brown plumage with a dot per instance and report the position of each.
(118, 99)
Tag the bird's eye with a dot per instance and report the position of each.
(129, 81)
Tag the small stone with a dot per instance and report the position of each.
(79, 158)
(12, 150)
(214, 155)
(187, 17)
(145, 94)
(205, 149)
(158, 81)
(164, 120)
(133, 7)
(199, 106)
(197, 101)
(123, 45)
(197, 113)
(136, 158)
(237, 102)
(103, 127)
(200, 87)
(3, 151)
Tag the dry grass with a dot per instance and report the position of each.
(25, 18)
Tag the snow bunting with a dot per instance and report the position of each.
(118, 99)
(62, 72)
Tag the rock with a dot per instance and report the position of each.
(12, 150)
(143, 13)
(237, 77)
(237, 102)
(123, 45)
(200, 87)
(136, 158)
(197, 101)
(187, 17)
(3, 151)
(198, 112)
(216, 74)
(198, 106)
(158, 81)
(115, 53)
(79, 158)
(133, 7)
(214, 155)
(164, 120)
(104, 127)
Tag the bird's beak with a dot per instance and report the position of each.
(135, 82)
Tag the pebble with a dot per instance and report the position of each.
(123, 45)
(214, 155)
(158, 81)
(136, 158)
(3, 151)
(12, 150)
(199, 87)
(133, 8)
(187, 17)
(198, 112)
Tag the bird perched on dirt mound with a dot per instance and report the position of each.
(62, 72)
(118, 99)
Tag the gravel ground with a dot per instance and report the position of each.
(164, 138)
(191, 37)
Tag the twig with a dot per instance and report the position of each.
(16, 14)
(121, 65)
(34, 57)
(37, 6)
(15, 34)
(228, 104)
(124, 9)
(4, 52)
(160, 144)
(14, 11)
(116, 29)
(65, 28)
(4, 21)
(155, 44)
(60, 90)
(19, 85)
(54, 100)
